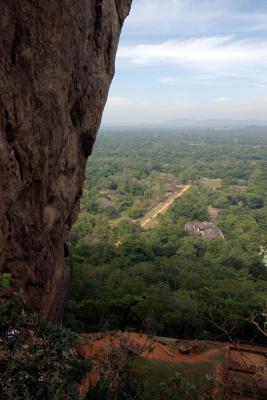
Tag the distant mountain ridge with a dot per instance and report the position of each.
(194, 123)
(219, 123)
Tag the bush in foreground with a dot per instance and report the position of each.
(37, 360)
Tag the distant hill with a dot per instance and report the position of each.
(192, 123)
(217, 123)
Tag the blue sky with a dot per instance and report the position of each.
(191, 59)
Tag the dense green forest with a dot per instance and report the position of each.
(160, 279)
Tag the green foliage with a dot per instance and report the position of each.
(134, 384)
(135, 212)
(254, 201)
(163, 280)
(127, 376)
(5, 280)
(38, 360)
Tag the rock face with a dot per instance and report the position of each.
(206, 230)
(56, 64)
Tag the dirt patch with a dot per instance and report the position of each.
(95, 345)
(162, 206)
(232, 365)
(213, 212)
(98, 346)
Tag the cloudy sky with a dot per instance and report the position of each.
(191, 59)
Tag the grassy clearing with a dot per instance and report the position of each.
(197, 372)
(239, 188)
(211, 183)
(157, 372)
(214, 212)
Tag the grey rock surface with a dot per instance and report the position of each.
(206, 230)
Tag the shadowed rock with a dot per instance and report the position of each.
(56, 64)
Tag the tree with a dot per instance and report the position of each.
(135, 251)
(135, 212)
(254, 201)
(38, 360)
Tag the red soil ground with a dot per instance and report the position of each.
(140, 344)
(97, 346)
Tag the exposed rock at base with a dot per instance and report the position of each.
(206, 230)
(56, 64)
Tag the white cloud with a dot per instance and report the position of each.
(182, 17)
(214, 51)
(132, 111)
(119, 102)
(170, 17)
(252, 21)
(220, 54)
(223, 100)
(216, 61)
(169, 81)
(204, 79)
(261, 85)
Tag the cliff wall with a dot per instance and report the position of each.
(56, 64)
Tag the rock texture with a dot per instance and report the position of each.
(206, 230)
(56, 65)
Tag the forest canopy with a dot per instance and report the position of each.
(159, 279)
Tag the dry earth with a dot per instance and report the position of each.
(239, 369)
(161, 207)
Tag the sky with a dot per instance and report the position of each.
(190, 59)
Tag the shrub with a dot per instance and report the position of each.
(37, 360)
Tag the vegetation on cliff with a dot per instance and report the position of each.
(38, 361)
